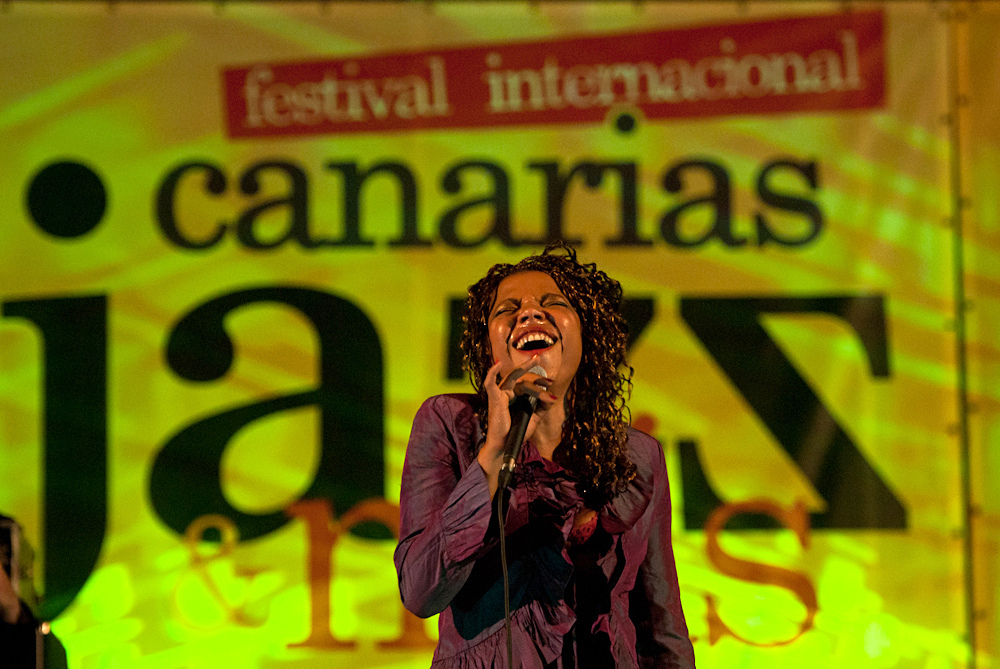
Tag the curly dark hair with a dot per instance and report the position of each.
(594, 442)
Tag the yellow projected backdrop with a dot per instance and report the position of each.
(200, 296)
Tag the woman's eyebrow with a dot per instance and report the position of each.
(509, 300)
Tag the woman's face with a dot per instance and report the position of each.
(533, 323)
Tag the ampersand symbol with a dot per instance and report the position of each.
(200, 566)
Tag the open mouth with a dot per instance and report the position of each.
(534, 341)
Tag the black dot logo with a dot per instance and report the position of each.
(66, 199)
(625, 123)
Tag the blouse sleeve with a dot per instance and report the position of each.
(656, 604)
(444, 513)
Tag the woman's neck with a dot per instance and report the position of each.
(548, 431)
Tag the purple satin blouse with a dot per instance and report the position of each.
(611, 601)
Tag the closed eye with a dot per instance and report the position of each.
(554, 300)
(504, 309)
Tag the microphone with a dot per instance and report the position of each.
(521, 408)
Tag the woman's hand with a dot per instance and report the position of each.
(10, 605)
(500, 394)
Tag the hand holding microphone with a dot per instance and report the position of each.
(521, 408)
(513, 400)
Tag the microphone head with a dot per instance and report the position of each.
(533, 399)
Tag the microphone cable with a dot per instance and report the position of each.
(506, 582)
(525, 405)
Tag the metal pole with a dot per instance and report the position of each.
(957, 17)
